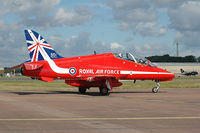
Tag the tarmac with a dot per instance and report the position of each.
(124, 111)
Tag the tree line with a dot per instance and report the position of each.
(168, 58)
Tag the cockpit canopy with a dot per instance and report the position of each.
(130, 57)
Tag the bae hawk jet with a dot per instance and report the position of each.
(192, 73)
(98, 70)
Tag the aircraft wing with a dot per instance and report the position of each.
(95, 78)
(109, 81)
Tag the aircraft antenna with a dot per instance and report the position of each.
(177, 50)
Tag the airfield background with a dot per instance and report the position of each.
(175, 67)
(1, 71)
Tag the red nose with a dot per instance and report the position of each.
(172, 75)
(163, 75)
(167, 76)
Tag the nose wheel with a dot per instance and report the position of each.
(155, 89)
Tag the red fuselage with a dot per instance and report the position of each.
(92, 70)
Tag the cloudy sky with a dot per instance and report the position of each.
(78, 27)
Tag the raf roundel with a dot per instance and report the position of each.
(72, 71)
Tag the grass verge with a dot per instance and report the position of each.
(36, 85)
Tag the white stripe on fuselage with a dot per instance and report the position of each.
(142, 72)
(57, 69)
(52, 64)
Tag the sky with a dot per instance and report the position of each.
(78, 27)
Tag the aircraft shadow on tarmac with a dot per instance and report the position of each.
(76, 93)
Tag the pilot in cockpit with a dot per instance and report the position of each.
(130, 57)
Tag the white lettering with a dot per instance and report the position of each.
(86, 71)
(98, 71)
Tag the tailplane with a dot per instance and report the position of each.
(38, 48)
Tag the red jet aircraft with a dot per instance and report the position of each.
(97, 70)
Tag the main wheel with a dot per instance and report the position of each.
(154, 89)
(82, 90)
(104, 91)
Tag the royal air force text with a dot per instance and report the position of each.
(99, 71)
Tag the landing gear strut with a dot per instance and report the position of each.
(155, 89)
(82, 90)
(104, 91)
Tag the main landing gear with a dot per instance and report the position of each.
(104, 91)
(82, 90)
(155, 89)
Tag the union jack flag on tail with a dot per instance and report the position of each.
(38, 48)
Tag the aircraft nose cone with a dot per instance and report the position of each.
(172, 75)
(165, 75)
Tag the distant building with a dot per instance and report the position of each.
(1, 71)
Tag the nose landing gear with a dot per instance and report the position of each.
(155, 89)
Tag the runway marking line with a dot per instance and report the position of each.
(99, 119)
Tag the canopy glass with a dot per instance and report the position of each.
(130, 57)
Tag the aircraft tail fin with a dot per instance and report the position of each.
(182, 71)
(38, 48)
